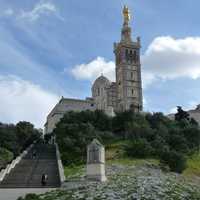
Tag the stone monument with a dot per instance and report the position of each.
(96, 161)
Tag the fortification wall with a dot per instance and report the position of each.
(63, 106)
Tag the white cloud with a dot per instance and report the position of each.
(170, 58)
(172, 110)
(95, 68)
(165, 58)
(23, 100)
(190, 106)
(8, 12)
(40, 9)
(147, 78)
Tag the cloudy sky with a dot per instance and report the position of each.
(54, 48)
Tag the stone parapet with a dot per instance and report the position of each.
(60, 165)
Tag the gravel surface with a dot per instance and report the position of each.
(145, 182)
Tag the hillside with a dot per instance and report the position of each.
(128, 179)
(147, 156)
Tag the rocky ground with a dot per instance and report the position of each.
(134, 182)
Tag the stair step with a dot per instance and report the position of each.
(28, 172)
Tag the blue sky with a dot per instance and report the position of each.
(54, 48)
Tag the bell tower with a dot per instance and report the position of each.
(128, 69)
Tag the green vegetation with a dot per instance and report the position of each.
(175, 160)
(129, 135)
(73, 171)
(5, 157)
(14, 139)
(193, 166)
(76, 130)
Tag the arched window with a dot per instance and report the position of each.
(131, 75)
(127, 55)
(135, 56)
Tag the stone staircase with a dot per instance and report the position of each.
(28, 172)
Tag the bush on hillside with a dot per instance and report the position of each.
(77, 129)
(139, 148)
(149, 135)
(73, 140)
(5, 157)
(30, 196)
(15, 138)
(176, 161)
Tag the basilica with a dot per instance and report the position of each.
(111, 97)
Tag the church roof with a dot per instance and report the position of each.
(101, 79)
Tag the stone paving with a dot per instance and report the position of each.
(13, 194)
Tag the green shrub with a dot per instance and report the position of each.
(149, 134)
(5, 157)
(16, 138)
(30, 197)
(176, 161)
(73, 140)
(139, 148)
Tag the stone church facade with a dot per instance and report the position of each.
(111, 97)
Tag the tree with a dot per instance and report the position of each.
(149, 135)
(73, 140)
(192, 135)
(26, 133)
(158, 119)
(181, 114)
(176, 161)
(5, 157)
(139, 148)
(193, 122)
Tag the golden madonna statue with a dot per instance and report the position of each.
(127, 14)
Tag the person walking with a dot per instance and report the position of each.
(44, 179)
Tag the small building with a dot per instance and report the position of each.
(96, 161)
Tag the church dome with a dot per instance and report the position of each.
(101, 80)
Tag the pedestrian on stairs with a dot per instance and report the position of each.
(34, 154)
(44, 179)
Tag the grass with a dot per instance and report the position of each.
(193, 166)
(115, 150)
(115, 155)
(73, 171)
(134, 161)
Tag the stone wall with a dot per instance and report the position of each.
(60, 165)
(65, 105)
